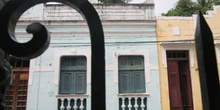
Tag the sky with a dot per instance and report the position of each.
(161, 6)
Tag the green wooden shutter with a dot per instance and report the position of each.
(72, 86)
(125, 82)
(73, 75)
(80, 82)
(131, 74)
(131, 82)
(138, 82)
(65, 83)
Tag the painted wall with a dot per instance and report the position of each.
(177, 33)
(71, 38)
(43, 86)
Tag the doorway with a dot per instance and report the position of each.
(16, 94)
(180, 90)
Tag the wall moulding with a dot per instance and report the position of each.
(147, 66)
(72, 52)
(178, 46)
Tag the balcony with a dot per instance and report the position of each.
(72, 102)
(133, 101)
(126, 101)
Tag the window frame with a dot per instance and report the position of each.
(130, 71)
(178, 46)
(148, 66)
(56, 68)
(74, 71)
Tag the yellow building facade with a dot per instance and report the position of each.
(176, 47)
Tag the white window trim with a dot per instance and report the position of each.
(60, 53)
(178, 46)
(147, 65)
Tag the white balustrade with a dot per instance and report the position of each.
(133, 101)
(81, 106)
(142, 103)
(62, 104)
(123, 103)
(68, 107)
(75, 105)
(72, 101)
(129, 103)
(136, 105)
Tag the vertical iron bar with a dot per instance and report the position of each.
(98, 69)
(207, 65)
(98, 98)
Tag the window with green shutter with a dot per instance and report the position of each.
(131, 74)
(73, 75)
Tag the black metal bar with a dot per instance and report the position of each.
(207, 65)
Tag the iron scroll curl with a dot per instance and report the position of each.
(12, 11)
(9, 16)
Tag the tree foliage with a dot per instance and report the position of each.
(183, 8)
(187, 7)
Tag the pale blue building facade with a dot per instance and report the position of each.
(60, 79)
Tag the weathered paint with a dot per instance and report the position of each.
(42, 91)
(106, 12)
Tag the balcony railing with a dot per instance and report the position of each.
(132, 101)
(72, 102)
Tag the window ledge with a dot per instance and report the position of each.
(71, 96)
(134, 95)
